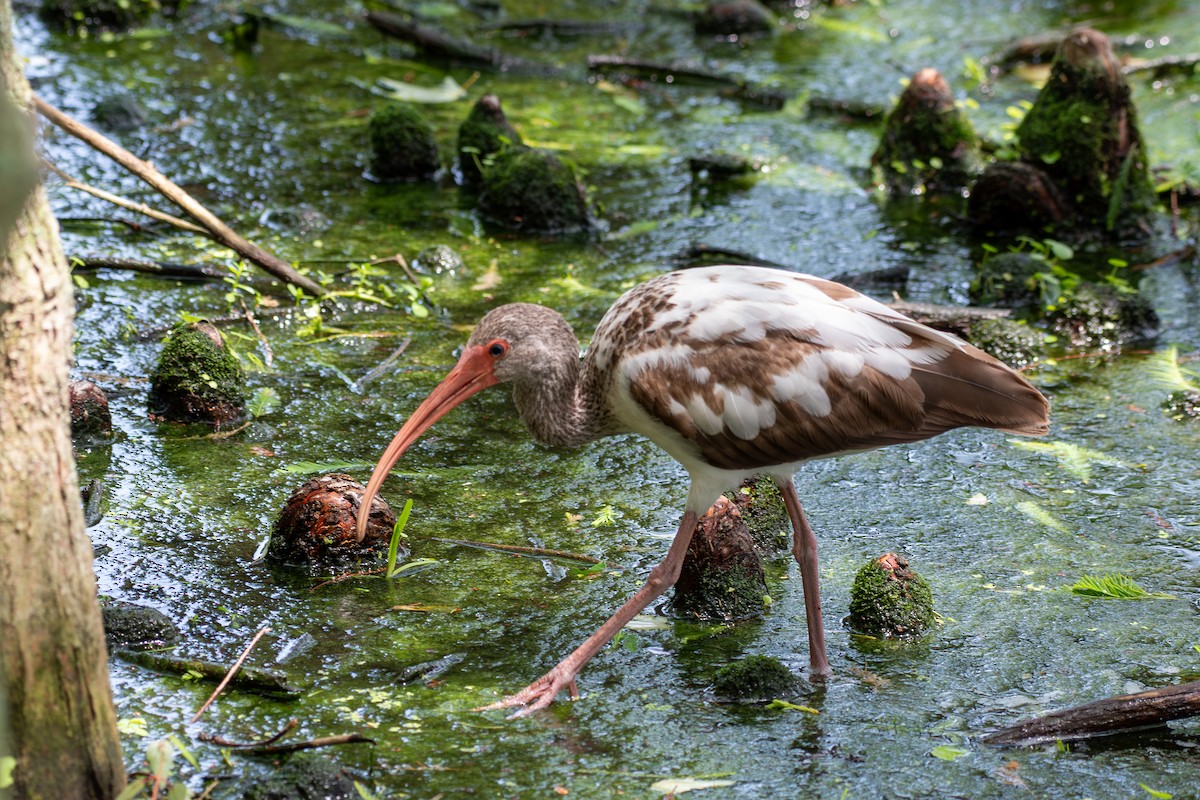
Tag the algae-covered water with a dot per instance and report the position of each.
(272, 139)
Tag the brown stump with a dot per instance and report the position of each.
(722, 575)
(1014, 196)
(928, 145)
(90, 418)
(316, 530)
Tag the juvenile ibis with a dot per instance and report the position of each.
(734, 371)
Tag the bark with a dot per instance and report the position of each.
(60, 717)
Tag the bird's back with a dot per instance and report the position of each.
(748, 367)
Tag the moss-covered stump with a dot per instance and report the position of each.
(533, 190)
(1013, 342)
(1083, 131)
(196, 379)
(722, 575)
(485, 132)
(754, 679)
(1015, 196)
(102, 14)
(439, 259)
(1008, 280)
(403, 147)
(928, 145)
(316, 528)
(1183, 404)
(888, 599)
(91, 421)
(302, 777)
(761, 508)
(128, 626)
(1097, 317)
(735, 18)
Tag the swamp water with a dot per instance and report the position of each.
(275, 139)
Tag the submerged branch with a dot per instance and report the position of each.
(213, 226)
(250, 679)
(1127, 712)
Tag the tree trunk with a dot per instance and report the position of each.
(61, 724)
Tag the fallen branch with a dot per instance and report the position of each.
(1123, 713)
(213, 226)
(684, 72)
(191, 272)
(117, 200)
(441, 45)
(221, 741)
(310, 744)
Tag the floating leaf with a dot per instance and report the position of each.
(680, 785)
(784, 705)
(1074, 459)
(1040, 515)
(448, 91)
(313, 467)
(1113, 587)
(1156, 792)
(7, 765)
(264, 401)
(978, 499)
(947, 752)
(427, 608)
(316, 27)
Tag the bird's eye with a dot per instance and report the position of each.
(498, 348)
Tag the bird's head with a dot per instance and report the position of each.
(512, 343)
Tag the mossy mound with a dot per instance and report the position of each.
(135, 627)
(722, 576)
(735, 18)
(1014, 196)
(1183, 404)
(1014, 343)
(1008, 280)
(533, 190)
(928, 144)
(103, 14)
(1097, 317)
(302, 777)
(197, 379)
(485, 132)
(403, 147)
(439, 259)
(888, 599)
(1083, 131)
(91, 420)
(761, 507)
(754, 679)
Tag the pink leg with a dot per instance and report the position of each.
(542, 692)
(804, 547)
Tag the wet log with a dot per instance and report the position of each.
(161, 269)
(690, 73)
(439, 44)
(1124, 713)
(250, 679)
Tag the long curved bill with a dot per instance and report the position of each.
(473, 373)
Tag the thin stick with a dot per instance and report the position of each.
(140, 208)
(217, 229)
(229, 675)
(268, 353)
(518, 549)
(383, 365)
(321, 741)
(221, 741)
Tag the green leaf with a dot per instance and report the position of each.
(315, 27)
(264, 401)
(134, 788)
(1040, 515)
(397, 535)
(313, 467)
(784, 705)
(1156, 792)
(1061, 251)
(448, 91)
(415, 564)
(1113, 587)
(947, 752)
(133, 726)
(183, 751)
(674, 786)
(7, 765)
(364, 792)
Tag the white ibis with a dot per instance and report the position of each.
(734, 371)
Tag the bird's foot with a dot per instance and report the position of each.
(539, 694)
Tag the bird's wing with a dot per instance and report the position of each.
(779, 368)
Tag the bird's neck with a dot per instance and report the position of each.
(556, 408)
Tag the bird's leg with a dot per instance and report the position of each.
(542, 692)
(804, 547)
